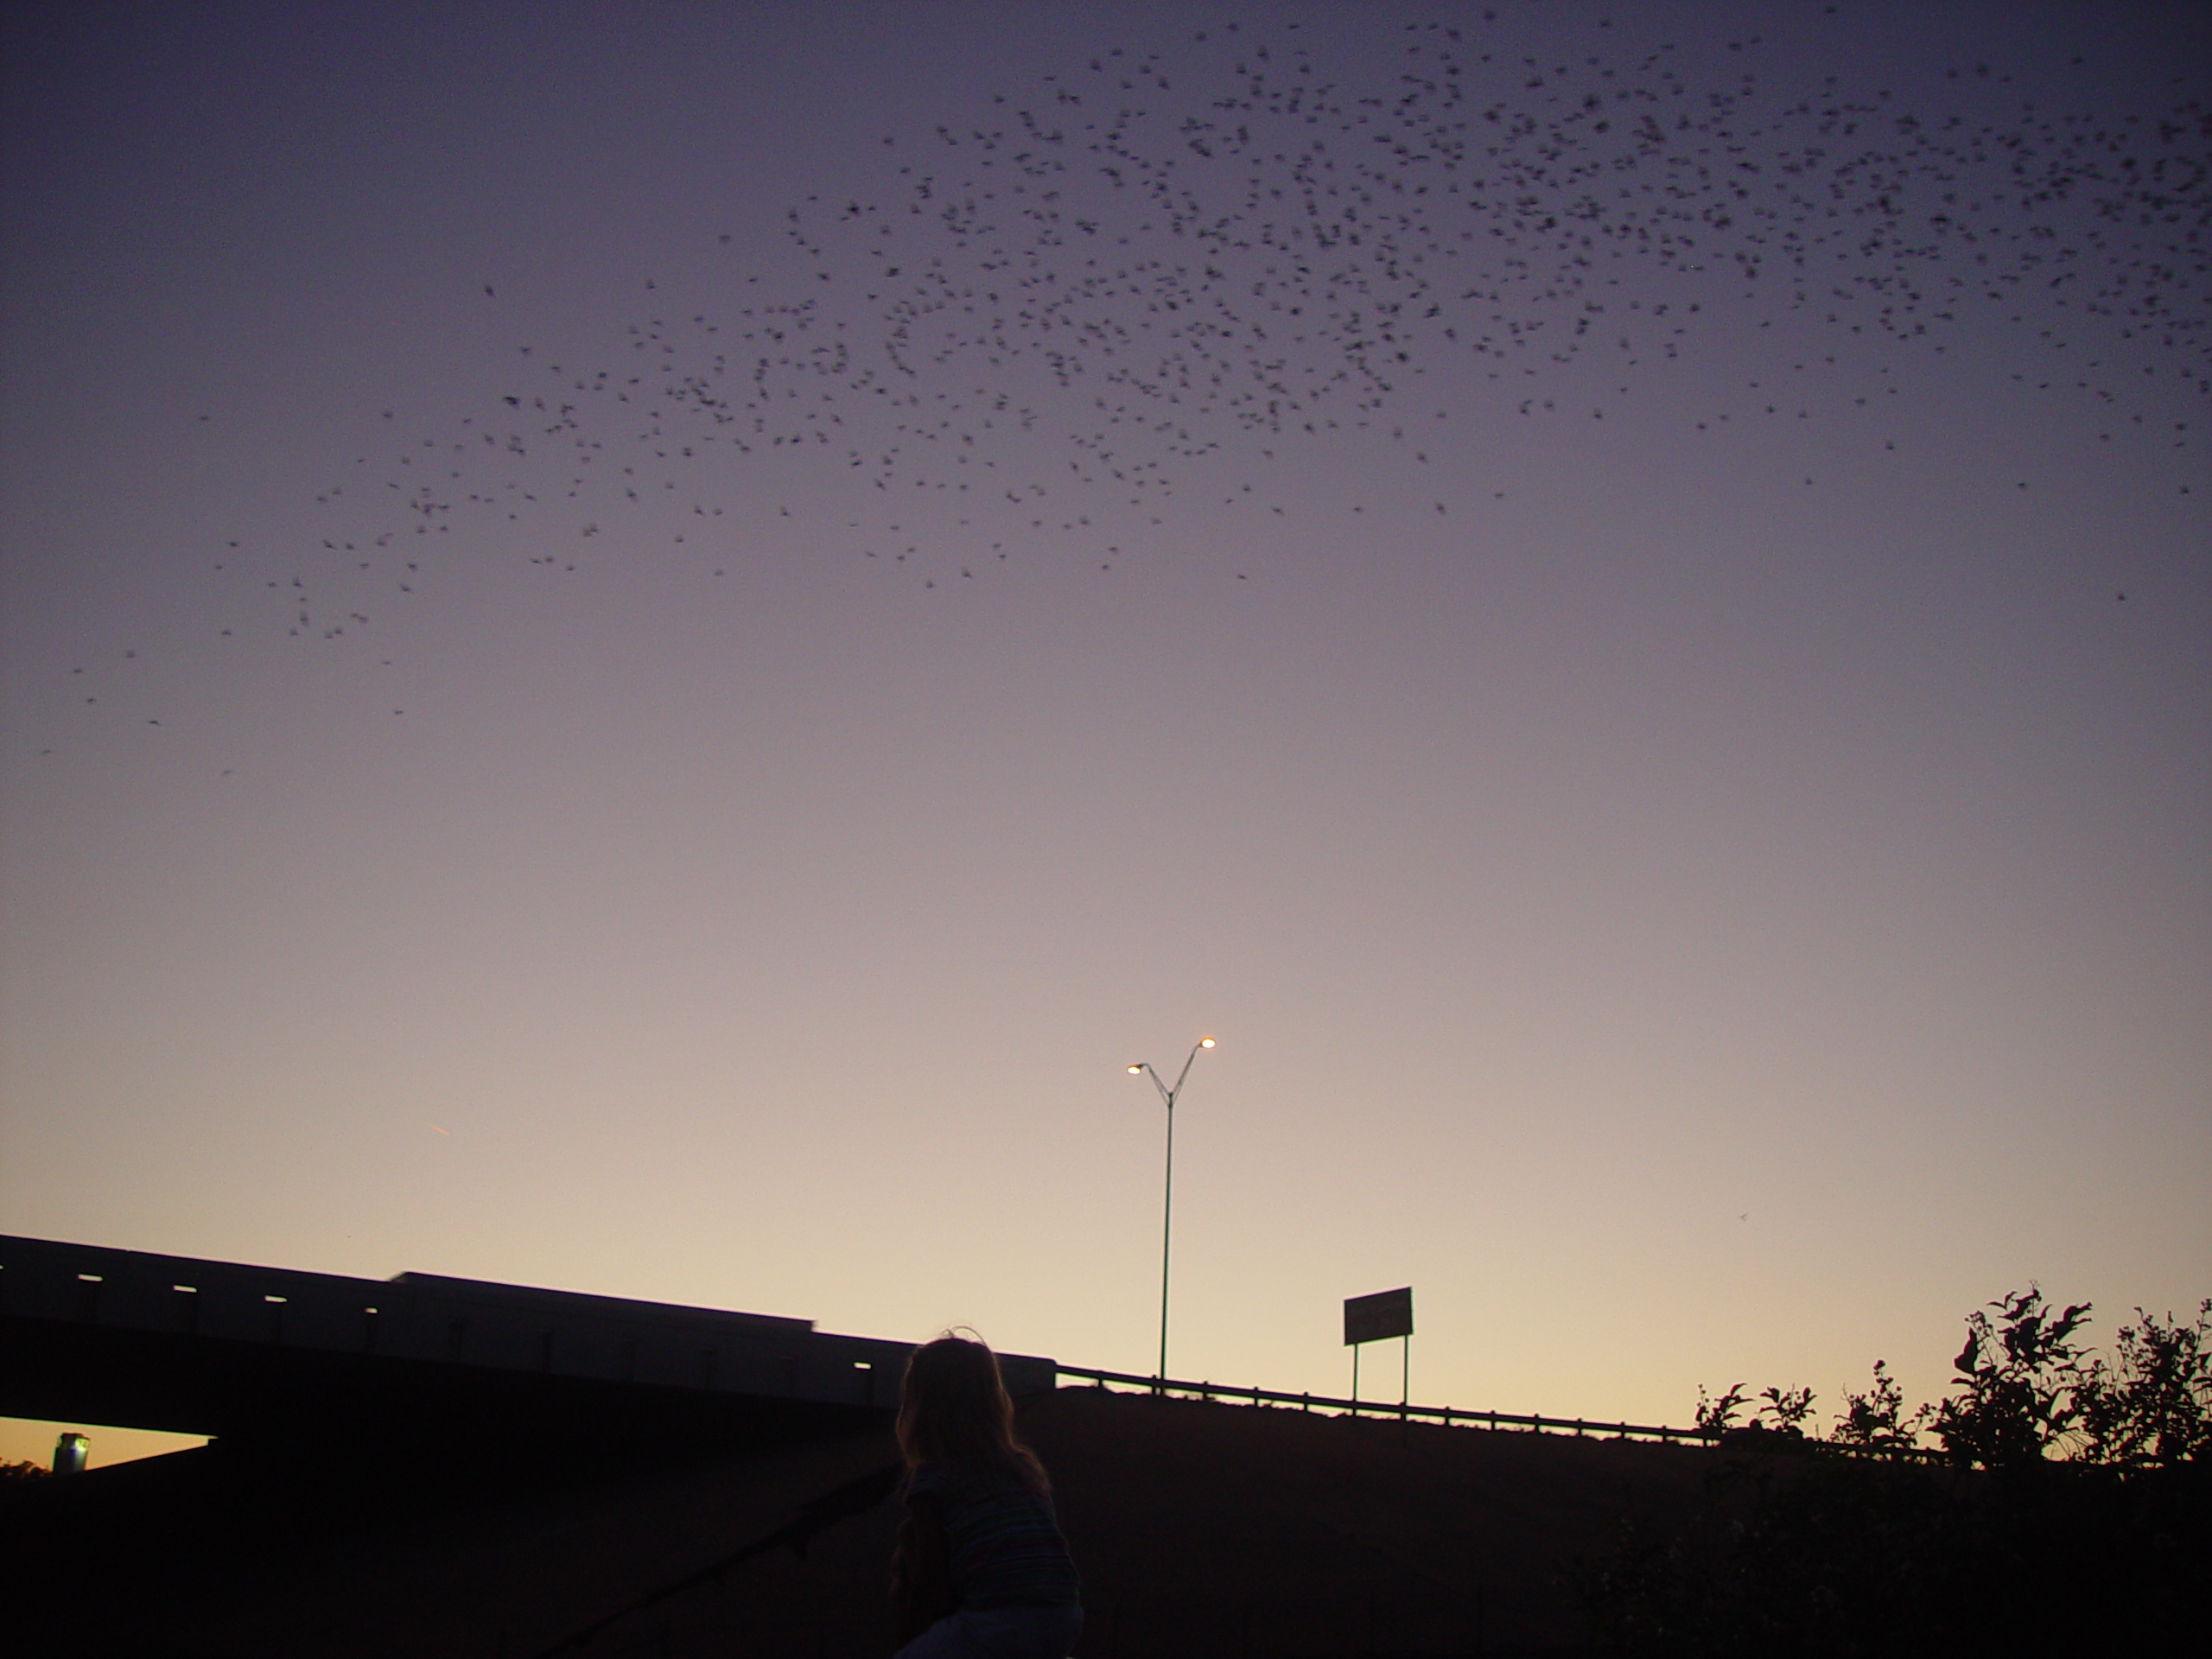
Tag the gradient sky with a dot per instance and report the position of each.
(1699, 899)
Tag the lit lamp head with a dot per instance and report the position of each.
(1205, 1042)
(1136, 1070)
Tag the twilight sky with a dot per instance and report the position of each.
(646, 642)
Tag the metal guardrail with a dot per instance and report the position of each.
(1449, 1416)
(1454, 1417)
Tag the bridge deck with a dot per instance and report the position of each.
(148, 1341)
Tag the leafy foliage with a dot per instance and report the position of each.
(2020, 1378)
(2070, 1508)
(1784, 1410)
(1717, 1417)
(2154, 1407)
(2027, 1390)
(1877, 1420)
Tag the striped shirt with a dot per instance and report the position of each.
(1003, 1545)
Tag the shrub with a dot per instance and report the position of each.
(2069, 1510)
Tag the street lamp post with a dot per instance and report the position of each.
(1167, 1198)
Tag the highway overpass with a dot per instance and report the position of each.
(132, 1339)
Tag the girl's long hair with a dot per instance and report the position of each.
(953, 1407)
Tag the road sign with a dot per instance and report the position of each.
(1375, 1318)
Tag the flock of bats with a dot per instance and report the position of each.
(1166, 268)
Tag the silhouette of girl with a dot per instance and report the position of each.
(981, 1570)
